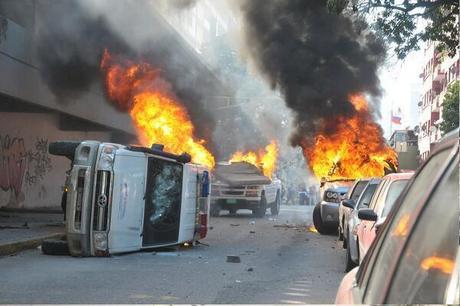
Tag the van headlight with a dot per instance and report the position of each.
(107, 157)
(100, 241)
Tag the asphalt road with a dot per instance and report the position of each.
(281, 262)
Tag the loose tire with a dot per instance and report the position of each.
(275, 208)
(63, 148)
(55, 247)
(260, 211)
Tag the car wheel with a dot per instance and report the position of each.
(260, 211)
(232, 211)
(215, 210)
(317, 220)
(275, 208)
(55, 247)
(340, 231)
(349, 262)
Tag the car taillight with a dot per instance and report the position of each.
(203, 225)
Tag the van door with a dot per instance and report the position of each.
(162, 202)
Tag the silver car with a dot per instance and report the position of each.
(350, 237)
(344, 211)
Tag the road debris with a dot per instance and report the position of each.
(231, 224)
(252, 232)
(233, 259)
(250, 269)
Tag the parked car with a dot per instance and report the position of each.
(344, 211)
(350, 239)
(326, 213)
(127, 198)
(373, 216)
(414, 258)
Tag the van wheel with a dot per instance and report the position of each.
(55, 247)
(260, 211)
(215, 210)
(275, 208)
(63, 148)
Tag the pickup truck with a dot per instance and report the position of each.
(241, 185)
(127, 198)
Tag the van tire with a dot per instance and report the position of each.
(63, 148)
(55, 247)
(275, 208)
(349, 263)
(260, 211)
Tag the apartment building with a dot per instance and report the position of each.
(439, 72)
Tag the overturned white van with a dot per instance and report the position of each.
(126, 198)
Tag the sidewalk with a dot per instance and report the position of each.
(21, 231)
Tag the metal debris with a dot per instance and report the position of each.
(233, 259)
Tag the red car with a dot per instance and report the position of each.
(373, 216)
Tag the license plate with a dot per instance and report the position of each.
(231, 201)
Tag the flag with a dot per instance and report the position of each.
(396, 118)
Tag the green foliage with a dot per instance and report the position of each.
(450, 110)
(409, 22)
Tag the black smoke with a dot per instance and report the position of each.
(316, 59)
(71, 38)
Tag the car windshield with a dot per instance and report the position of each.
(394, 191)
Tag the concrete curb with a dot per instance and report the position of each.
(18, 246)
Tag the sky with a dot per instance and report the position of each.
(402, 88)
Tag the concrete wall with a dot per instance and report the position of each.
(29, 176)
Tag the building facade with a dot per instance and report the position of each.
(439, 72)
(32, 115)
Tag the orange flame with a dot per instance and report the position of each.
(402, 228)
(263, 159)
(444, 265)
(355, 149)
(157, 116)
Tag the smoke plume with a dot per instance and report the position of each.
(72, 35)
(314, 58)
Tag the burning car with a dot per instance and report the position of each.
(326, 213)
(128, 198)
(241, 185)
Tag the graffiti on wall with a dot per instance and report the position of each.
(20, 166)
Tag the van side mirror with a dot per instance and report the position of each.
(349, 203)
(367, 214)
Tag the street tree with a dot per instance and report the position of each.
(450, 111)
(406, 23)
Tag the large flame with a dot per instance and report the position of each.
(263, 159)
(157, 115)
(355, 149)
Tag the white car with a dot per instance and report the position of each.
(241, 185)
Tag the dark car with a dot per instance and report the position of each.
(414, 258)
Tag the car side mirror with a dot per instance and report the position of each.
(349, 203)
(367, 214)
